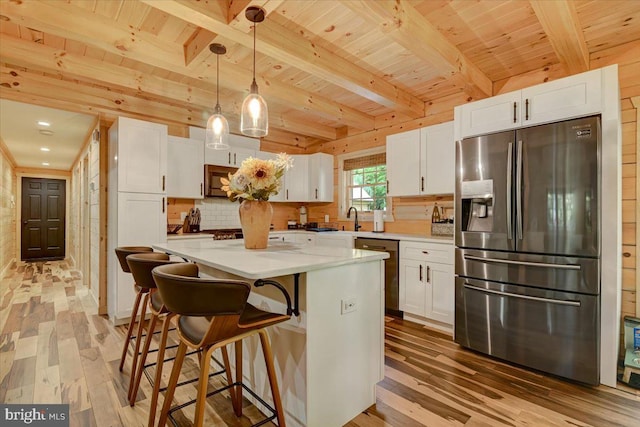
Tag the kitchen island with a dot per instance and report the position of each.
(329, 358)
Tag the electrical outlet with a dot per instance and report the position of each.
(348, 305)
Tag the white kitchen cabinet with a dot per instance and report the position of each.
(427, 281)
(134, 217)
(573, 96)
(421, 161)
(335, 240)
(296, 183)
(185, 174)
(321, 177)
(140, 155)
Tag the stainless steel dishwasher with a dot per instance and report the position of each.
(391, 286)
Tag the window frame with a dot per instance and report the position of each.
(342, 182)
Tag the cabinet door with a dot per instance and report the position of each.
(440, 292)
(297, 180)
(440, 159)
(239, 154)
(403, 164)
(217, 157)
(280, 197)
(573, 96)
(493, 114)
(321, 177)
(141, 156)
(412, 287)
(185, 174)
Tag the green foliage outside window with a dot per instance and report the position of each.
(367, 188)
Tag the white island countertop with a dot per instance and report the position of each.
(278, 259)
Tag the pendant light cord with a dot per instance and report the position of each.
(217, 82)
(255, 28)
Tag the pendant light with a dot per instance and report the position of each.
(217, 134)
(255, 116)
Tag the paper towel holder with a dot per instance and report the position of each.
(378, 221)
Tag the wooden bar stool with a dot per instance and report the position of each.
(141, 265)
(210, 314)
(122, 252)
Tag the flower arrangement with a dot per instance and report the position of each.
(257, 179)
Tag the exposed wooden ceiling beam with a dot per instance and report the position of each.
(285, 45)
(112, 102)
(62, 18)
(197, 47)
(560, 22)
(407, 27)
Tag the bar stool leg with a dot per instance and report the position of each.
(134, 314)
(134, 363)
(271, 372)
(203, 382)
(143, 359)
(227, 368)
(237, 401)
(171, 387)
(158, 379)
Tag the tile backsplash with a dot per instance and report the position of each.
(218, 213)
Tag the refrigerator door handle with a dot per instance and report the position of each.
(509, 173)
(528, 263)
(519, 191)
(527, 297)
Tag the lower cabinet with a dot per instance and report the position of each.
(427, 280)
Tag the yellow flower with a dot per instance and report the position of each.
(256, 179)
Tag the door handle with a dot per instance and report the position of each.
(527, 263)
(514, 112)
(163, 205)
(526, 109)
(428, 274)
(422, 183)
(201, 189)
(229, 157)
(421, 272)
(234, 159)
(163, 182)
(509, 173)
(519, 210)
(287, 194)
(316, 194)
(519, 296)
(25, 222)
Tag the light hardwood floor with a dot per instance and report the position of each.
(54, 348)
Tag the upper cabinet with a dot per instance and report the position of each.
(240, 148)
(566, 98)
(140, 155)
(321, 177)
(310, 179)
(185, 175)
(421, 161)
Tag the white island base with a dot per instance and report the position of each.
(330, 357)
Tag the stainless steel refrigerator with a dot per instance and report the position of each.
(527, 215)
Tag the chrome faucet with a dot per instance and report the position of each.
(355, 222)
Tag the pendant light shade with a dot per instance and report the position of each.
(255, 115)
(217, 133)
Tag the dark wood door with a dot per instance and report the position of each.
(43, 218)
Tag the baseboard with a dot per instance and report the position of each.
(429, 323)
(6, 268)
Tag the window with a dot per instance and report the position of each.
(363, 182)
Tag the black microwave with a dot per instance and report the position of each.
(212, 175)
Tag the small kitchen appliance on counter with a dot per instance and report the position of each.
(378, 221)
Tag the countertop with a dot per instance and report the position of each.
(278, 259)
(367, 234)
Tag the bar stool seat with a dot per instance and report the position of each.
(211, 314)
(122, 252)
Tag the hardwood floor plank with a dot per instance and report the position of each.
(67, 353)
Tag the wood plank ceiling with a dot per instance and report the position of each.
(327, 68)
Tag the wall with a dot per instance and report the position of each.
(8, 200)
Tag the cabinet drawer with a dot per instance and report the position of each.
(432, 252)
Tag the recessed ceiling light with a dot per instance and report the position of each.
(41, 123)
(46, 132)
(45, 163)
(44, 149)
